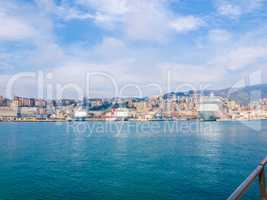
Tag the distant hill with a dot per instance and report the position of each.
(243, 95)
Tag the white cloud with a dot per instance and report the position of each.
(46, 54)
(112, 7)
(118, 56)
(30, 29)
(236, 8)
(189, 73)
(149, 25)
(19, 22)
(138, 20)
(110, 43)
(219, 35)
(229, 9)
(242, 57)
(14, 28)
(186, 23)
(237, 52)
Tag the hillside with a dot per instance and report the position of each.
(242, 95)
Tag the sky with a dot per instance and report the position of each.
(130, 47)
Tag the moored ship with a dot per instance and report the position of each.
(210, 108)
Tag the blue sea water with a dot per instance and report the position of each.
(128, 160)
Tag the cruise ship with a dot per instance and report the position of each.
(80, 115)
(210, 108)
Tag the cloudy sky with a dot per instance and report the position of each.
(152, 45)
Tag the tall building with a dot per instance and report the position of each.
(24, 102)
(40, 103)
(9, 112)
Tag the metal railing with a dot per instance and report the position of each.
(242, 189)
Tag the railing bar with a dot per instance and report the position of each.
(239, 192)
(263, 162)
(259, 171)
(262, 184)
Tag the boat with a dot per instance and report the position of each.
(80, 115)
(210, 108)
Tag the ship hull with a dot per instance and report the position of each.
(208, 116)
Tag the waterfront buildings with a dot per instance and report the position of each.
(8, 112)
(167, 107)
(118, 114)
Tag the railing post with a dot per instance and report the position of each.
(262, 183)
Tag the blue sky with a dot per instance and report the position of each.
(212, 43)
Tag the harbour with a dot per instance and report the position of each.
(177, 161)
(133, 99)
